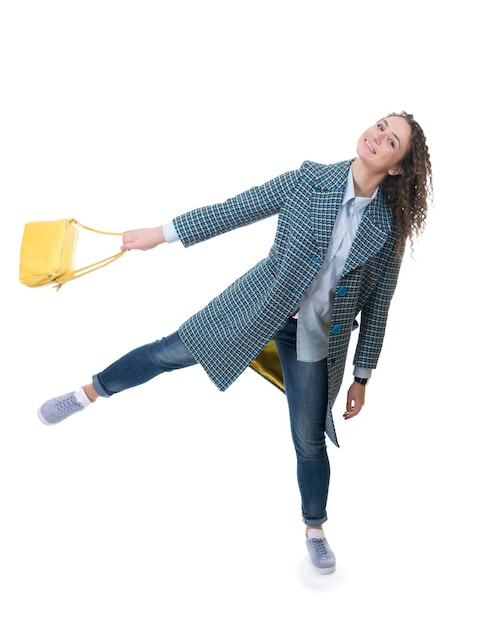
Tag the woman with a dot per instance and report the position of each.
(341, 235)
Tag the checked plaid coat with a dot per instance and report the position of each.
(227, 334)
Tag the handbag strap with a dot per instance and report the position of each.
(93, 230)
(94, 266)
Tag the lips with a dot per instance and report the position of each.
(369, 146)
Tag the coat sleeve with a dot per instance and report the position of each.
(375, 312)
(251, 206)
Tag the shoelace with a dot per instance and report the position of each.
(321, 547)
(66, 406)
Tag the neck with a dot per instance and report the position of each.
(365, 182)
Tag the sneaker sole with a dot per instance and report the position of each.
(324, 570)
(43, 420)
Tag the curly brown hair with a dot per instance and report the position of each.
(408, 194)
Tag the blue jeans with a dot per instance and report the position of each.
(142, 364)
(306, 386)
(306, 392)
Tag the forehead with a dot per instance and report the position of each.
(398, 123)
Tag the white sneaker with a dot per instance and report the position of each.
(57, 409)
(321, 555)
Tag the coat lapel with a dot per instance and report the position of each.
(326, 201)
(373, 233)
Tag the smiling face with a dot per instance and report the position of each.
(383, 146)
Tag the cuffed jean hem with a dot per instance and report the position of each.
(314, 522)
(100, 390)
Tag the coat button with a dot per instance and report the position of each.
(342, 291)
(336, 329)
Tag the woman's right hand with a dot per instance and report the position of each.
(143, 238)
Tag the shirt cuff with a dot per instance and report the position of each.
(362, 372)
(170, 233)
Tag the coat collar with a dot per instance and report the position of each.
(332, 177)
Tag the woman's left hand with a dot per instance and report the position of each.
(355, 400)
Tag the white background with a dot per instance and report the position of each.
(174, 503)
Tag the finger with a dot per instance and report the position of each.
(349, 413)
(129, 241)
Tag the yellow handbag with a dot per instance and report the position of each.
(268, 365)
(47, 253)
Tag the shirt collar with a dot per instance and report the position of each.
(360, 203)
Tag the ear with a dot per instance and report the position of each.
(395, 171)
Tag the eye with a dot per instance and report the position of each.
(391, 142)
(380, 126)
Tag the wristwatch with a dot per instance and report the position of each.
(361, 381)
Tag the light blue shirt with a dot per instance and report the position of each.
(170, 233)
(315, 309)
